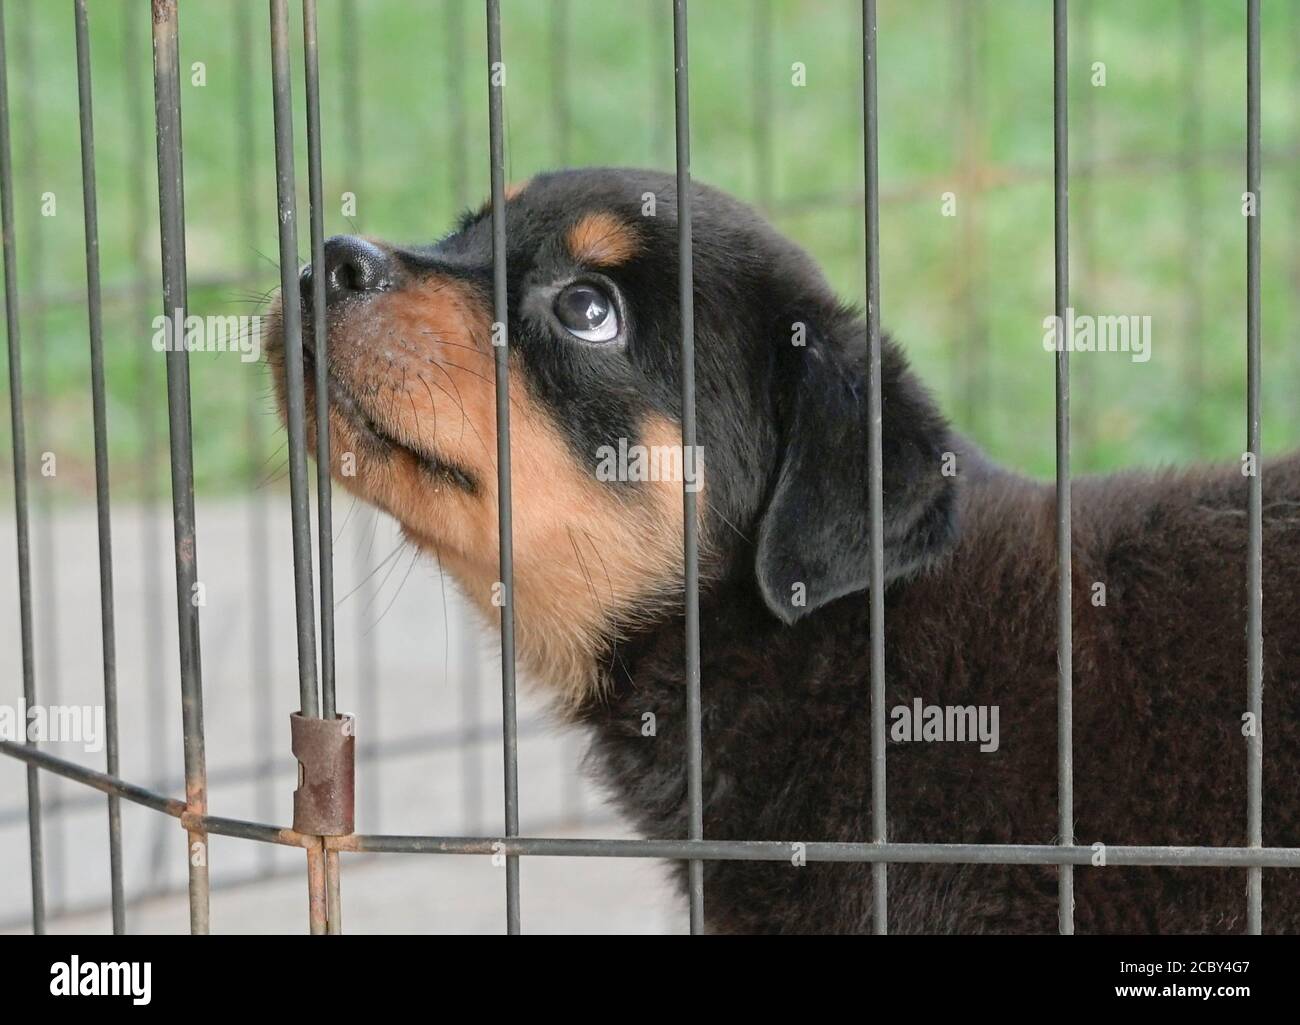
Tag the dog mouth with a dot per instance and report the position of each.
(346, 405)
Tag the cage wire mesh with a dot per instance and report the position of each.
(459, 773)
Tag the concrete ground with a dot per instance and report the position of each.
(418, 672)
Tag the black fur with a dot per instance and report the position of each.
(1159, 670)
(813, 537)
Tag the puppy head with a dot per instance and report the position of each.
(597, 468)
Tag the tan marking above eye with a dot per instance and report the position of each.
(602, 239)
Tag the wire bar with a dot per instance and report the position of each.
(171, 220)
(858, 853)
(974, 384)
(1255, 500)
(875, 463)
(317, 910)
(333, 894)
(260, 832)
(104, 782)
(705, 850)
(46, 562)
(19, 431)
(690, 517)
(399, 747)
(1064, 580)
(501, 344)
(291, 314)
(100, 415)
(295, 398)
(138, 293)
(320, 339)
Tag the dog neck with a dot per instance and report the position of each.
(754, 669)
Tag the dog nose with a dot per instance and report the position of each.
(353, 266)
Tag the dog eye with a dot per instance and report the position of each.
(587, 313)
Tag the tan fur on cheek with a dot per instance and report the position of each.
(589, 563)
(591, 558)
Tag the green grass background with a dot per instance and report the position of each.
(1152, 231)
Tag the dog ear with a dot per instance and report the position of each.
(813, 538)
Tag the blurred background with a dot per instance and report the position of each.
(1157, 106)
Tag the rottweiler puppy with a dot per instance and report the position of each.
(780, 472)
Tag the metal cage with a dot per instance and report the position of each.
(314, 607)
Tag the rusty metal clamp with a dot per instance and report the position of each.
(324, 803)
